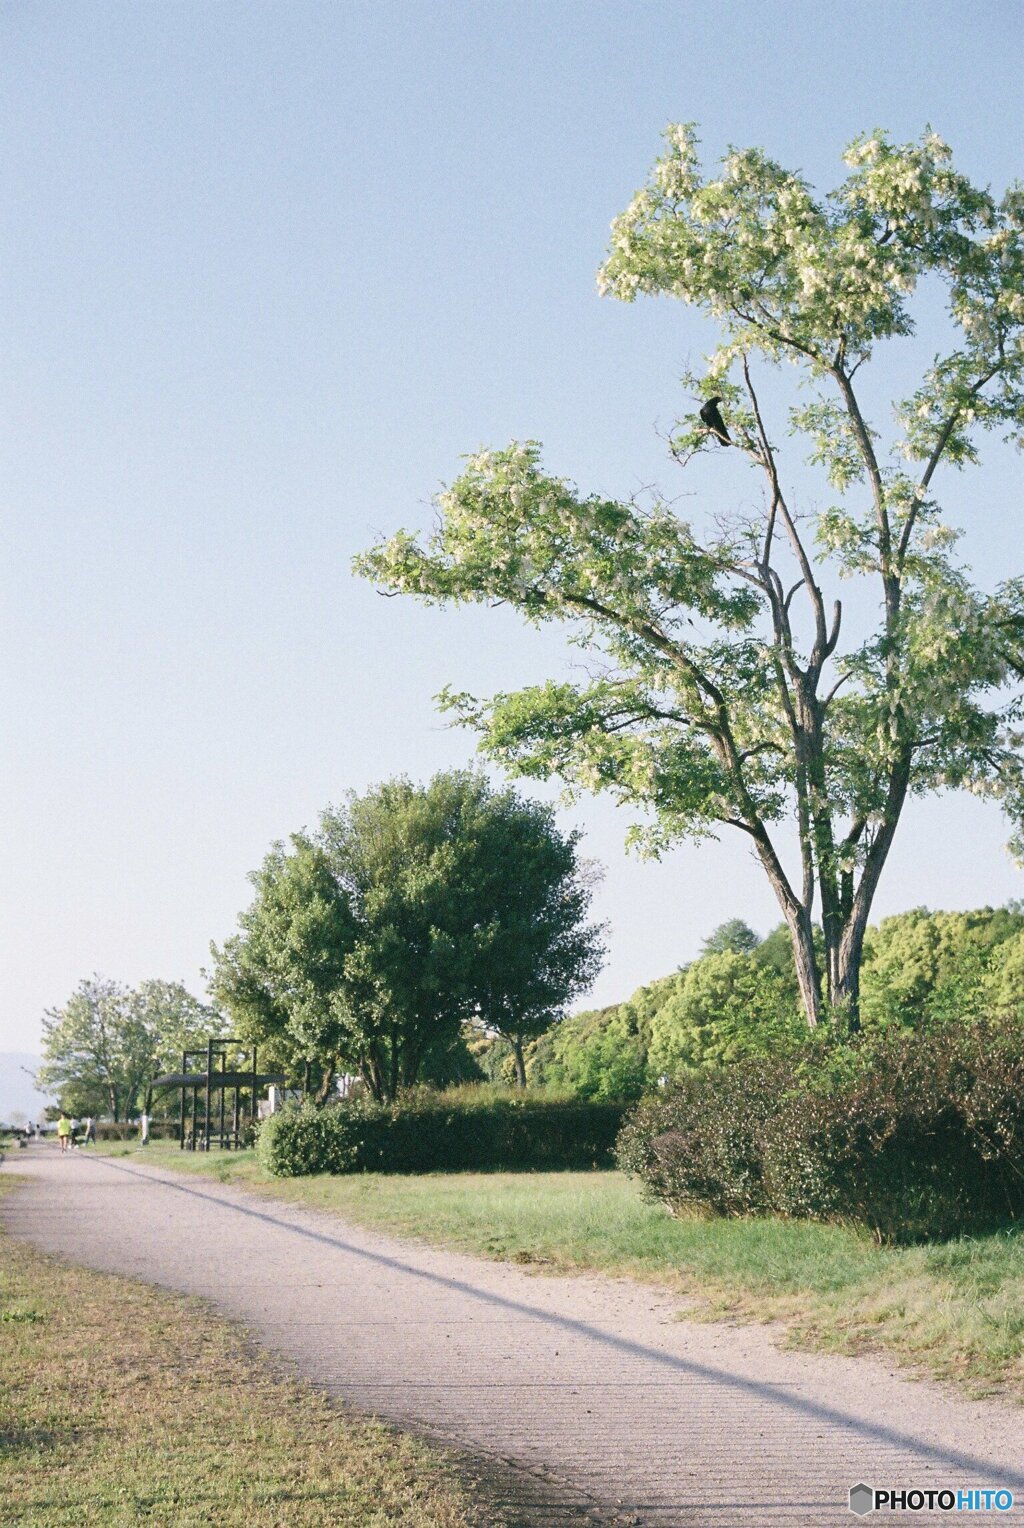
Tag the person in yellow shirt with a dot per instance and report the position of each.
(64, 1131)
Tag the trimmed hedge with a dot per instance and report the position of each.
(913, 1135)
(428, 1132)
(159, 1130)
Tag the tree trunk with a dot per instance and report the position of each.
(846, 990)
(323, 1092)
(393, 1060)
(517, 1051)
(846, 993)
(801, 928)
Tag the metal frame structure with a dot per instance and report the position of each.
(217, 1079)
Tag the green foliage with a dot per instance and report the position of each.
(102, 1050)
(495, 1057)
(734, 935)
(298, 1141)
(412, 912)
(280, 978)
(455, 1064)
(922, 967)
(424, 1131)
(725, 1006)
(911, 1135)
(1004, 978)
(723, 693)
(177, 1022)
(599, 1054)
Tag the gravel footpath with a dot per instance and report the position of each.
(590, 1385)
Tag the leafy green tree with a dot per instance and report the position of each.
(729, 690)
(412, 912)
(1004, 979)
(103, 1049)
(521, 895)
(176, 1021)
(98, 1052)
(727, 1005)
(930, 967)
(734, 935)
(283, 977)
(599, 1054)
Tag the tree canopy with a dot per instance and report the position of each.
(922, 970)
(727, 689)
(922, 967)
(734, 935)
(103, 1048)
(409, 913)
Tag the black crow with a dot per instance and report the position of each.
(714, 421)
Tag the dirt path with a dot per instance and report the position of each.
(589, 1381)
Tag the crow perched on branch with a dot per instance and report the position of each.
(714, 421)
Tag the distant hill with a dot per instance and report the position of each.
(17, 1095)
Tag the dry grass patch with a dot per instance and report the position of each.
(121, 1404)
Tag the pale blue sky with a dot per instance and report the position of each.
(269, 269)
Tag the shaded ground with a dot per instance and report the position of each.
(588, 1382)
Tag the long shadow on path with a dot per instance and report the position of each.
(966, 1463)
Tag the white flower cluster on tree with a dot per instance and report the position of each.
(726, 693)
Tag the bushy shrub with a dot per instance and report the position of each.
(913, 1135)
(699, 1145)
(442, 1132)
(306, 1139)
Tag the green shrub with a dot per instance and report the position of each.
(440, 1132)
(305, 1140)
(913, 1135)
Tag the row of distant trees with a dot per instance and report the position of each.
(104, 1047)
(740, 998)
(410, 917)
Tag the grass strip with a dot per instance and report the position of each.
(122, 1404)
(953, 1310)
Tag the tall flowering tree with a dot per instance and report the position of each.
(728, 689)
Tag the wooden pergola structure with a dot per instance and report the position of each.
(215, 1125)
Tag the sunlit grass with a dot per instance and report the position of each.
(121, 1404)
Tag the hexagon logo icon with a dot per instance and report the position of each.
(862, 1499)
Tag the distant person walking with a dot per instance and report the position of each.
(90, 1131)
(64, 1131)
